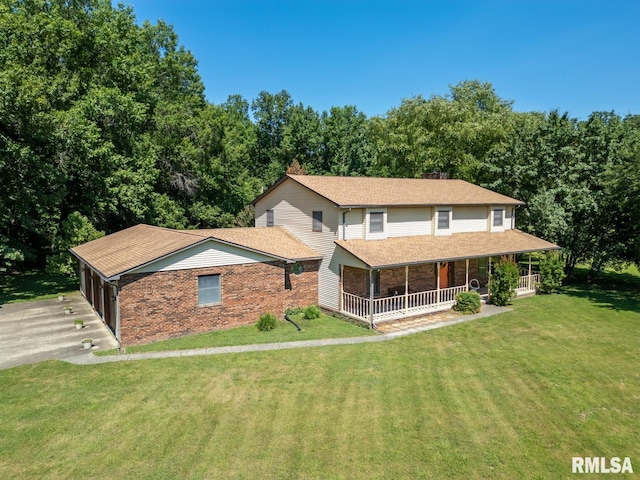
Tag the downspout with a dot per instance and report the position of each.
(344, 223)
(118, 316)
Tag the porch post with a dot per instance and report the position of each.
(466, 276)
(529, 280)
(372, 286)
(341, 301)
(406, 287)
(438, 285)
(489, 277)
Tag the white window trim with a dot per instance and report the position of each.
(497, 228)
(376, 235)
(219, 290)
(442, 231)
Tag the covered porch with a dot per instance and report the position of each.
(375, 288)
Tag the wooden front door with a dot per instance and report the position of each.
(444, 275)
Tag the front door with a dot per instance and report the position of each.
(444, 275)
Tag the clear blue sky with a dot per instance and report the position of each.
(574, 56)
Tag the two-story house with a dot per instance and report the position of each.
(375, 249)
(393, 247)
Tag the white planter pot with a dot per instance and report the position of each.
(78, 326)
(87, 345)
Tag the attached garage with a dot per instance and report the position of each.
(150, 283)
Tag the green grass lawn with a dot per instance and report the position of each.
(324, 327)
(34, 285)
(510, 396)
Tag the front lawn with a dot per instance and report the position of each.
(324, 327)
(515, 395)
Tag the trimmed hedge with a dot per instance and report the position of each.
(503, 283)
(467, 302)
(312, 312)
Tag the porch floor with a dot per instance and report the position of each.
(431, 321)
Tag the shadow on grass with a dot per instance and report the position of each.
(612, 290)
(34, 285)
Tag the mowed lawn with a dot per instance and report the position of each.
(510, 396)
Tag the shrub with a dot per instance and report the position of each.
(467, 302)
(294, 311)
(311, 312)
(267, 322)
(551, 273)
(503, 283)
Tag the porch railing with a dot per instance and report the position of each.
(387, 308)
(528, 283)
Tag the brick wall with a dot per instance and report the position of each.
(161, 305)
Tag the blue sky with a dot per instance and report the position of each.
(574, 56)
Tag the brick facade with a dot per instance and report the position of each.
(421, 278)
(161, 305)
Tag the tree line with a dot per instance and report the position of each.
(104, 124)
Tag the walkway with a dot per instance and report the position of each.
(419, 324)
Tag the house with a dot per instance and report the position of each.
(394, 247)
(150, 283)
(375, 249)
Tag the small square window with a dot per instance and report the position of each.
(376, 222)
(498, 217)
(317, 222)
(443, 219)
(270, 222)
(208, 289)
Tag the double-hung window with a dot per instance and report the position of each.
(376, 222)
(498, 217)
(208, 289)
(443, 219)
(270, 221)
(317, 222)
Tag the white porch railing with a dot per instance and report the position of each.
(527, 284)
(391, 308)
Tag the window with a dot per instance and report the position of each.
(376, 282)
(269, 218)
(443, 219)
(498, 216)
(317, 222)
(376, 222)
(208, 289)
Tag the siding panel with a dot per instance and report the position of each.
(405, 222)
(469, 219)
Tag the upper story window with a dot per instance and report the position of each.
(208, 289)
(270, 222)
(376, 222)
(498, 217)
(317, 222)
(443, 219)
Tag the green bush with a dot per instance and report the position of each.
(294, 311)
(267, 322)
(551, 273)
(467, 302)
(503, 283)
(312, 312)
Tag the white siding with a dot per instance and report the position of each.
(405, 222)
(293, 205)
(469, 219)
(208, 254)
(354, 224)
(509, 218)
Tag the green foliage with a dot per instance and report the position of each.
(266, 322)
(312, 312)
(551, 273)
(467, 302)
(76, 229)
(503, 282)
(294, 311)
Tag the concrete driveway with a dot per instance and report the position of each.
(32, 332)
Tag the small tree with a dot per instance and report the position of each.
(551, 273)
(503, 283)
(76, 229)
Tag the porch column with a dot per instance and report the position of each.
(406, 288)
(529, 280)
(341, 300)
(489, 277)
(372, 286)
(438, 285)
(466, 276)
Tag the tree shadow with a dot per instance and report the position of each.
(612, 290)
(34, 284)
